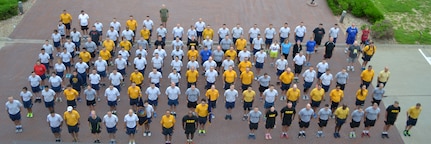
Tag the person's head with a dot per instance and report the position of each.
(190, 113)
(353, 25)
(249, 88)
(369, 68)
(396, 104)
(298, 42)
(69, 109)
(375, 105)
(93, 113)
(53, 74)
(363, 87)
(311, 68)
(200, 19)
(146, 103)
(319, 86)
(131, 17)
(271, 87)
(270, 25)
(89, 87)
(320, 25)
(337, 88)
(69, 87)
(295, 87)
(308, 106)
(213, 87)
(130, 113)
(10, 99)
(111, 87)
(255, 109)
(232, 87)
(203, 101)
(46, 88)
(331, 39)
(168, 113)
(152, 85)
(301, 24)
(326, 106)
(109, 113)
(418, 105)
(219, 48)
(288, 70)
(255, 26)
(64, 12)
(327, 72)
(356, 43)
(133, 85)
(173, 84)
(272, 109)
(82, 12)
(386, 69)
(289, 104)
(230, 68)
(52, 113)
(344, 106)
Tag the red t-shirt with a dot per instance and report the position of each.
(39, 69)
(365, 34)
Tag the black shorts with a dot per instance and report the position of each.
(71, 103)
(369, 123)
(286, 123)
(411, 121)
(367, 57)
(218, 64)
(339, 122)
(73, 129)
(322, 123)
(318, 41)
(93, 54)
(253, 126)
(303, 124)
(190, 131)
(67, 25)
(192, 104)
(202, 120)
(95, 131)
(84, 27)
(269, 125)
(359, 102)
(298, 69)
(142, 120)
(315, 103)
(247, 105)
(262, 88)
(212, 104)
(91, 102)
(334, 105)
(167, 131)
(354, 124)
(390, 121)
(133, 101)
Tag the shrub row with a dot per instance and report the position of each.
(8, 8)
(359, 8)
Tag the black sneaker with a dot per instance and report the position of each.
(387, 136)
(303, 135)
(299, 135)
(226, 117)
(230, 117)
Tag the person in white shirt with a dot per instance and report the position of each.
(284, 32)
(94, 79)
(223, 32)
(153, 94)
(177, 43)
(149, 111)
(141, 51)
(208, 64)
(140, 63)
(173, 92)
(243, 54)
(83, 21)
(237, 32)
(70, 47)
(56, 39)
(56, 83)
(211, 76)
(116, 79)
(101, 66)
(200, 26)
(124, 55)
(116, 25)
(228, 62)
(99, 28)
(299, 61)
(192, 63)
(110, 121)
(112, 96)
(191, 32)
(309, 75)
(35, 81)
(112, 34)
(55, 122)
(325, 80)
(257, 44)
(252, 33)
(121, 64)
(300, 31)
(162, 53)
(178, 31)
(321, 68)
(66, 58)
(177, 64)
(130, 124)
(49, 49)
(44, 59)
(154, 77)
(208, 42)
(281, 64)
(59, 68)
(273, 51)
(13, 108)
(269, 35)
(81, 68)
(231, 95)
(157, 62)
(76, 38)
(177, 53)
(161, 31)
(270, 95)
(48, 97)
(128, 35)
(174, 77)
(333, 32)
(148, 23)
(259, 60)
(27, 101)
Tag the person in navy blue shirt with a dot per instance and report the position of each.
(76, 81)
(311, 44)
(351, 31)
(205, 54)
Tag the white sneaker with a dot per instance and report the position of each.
(352, 68)
(345, 50)
(144, 134)
(149, 134)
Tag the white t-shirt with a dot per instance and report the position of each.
(191, 33)
(281, 64)
(322, 67)
(177, 53)
(48, 96)
(143, 53)
(162, 53)
(65, 57)
(162, 32)
(326, 79)
(54, 121)
(44, 58)
(237, 32)
(223, 32)
(176, 65)
(258, 43)
(116, 26)
(128, 34)
(56, 37)
(274, 47)
(333, 32)
(253, 32)
(14, 107)
(208, 43)
(208, 64)
(55, 81)
(243, 54)
(34, 81)
(81, 67)
(148, 24)
(227, 63)
(124, 54)
(150, 110)
(192, 64)
(48, 48)
(299, 60)
(110, 121)
(173, 93)
(115, 78)
(284, 32)
(84, 19)
(260, 57)
(131, 120)
(309, 75)
(26, 96)
(200, 26)
(121, 63)
(76, 36)
(94, 78)
(70, 46)
(174, 77)
(99, 26)
(300, 31)
(270, 32)
(59, 67)
(155, 77)
(231, 95)
(153, 93)
(211, 76)
(140, 63)
(270, 95)
(100, 65)
(112, 94)
(113, 35)
(178, 32)
(157, 62)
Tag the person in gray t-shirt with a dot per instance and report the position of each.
(254, 117)
(90, 96)
(357, 116)
(226, 43)
(342, 78)
(192, 97)
(323, 116)
(372, 114)
(378, 94)
(305, 115)
(353, 52)
(218, 55)
(263, 84)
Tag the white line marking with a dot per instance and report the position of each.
(428, 59)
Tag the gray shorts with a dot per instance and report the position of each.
(350, 60)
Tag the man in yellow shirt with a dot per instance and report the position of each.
(202, 113)
(125, 44)
(244, 64)
(192, 76)
(341, 115)
(336, 96)
(208, 32)
(231, 53)
(368, 51)
(240, 44)
(71, 96)
(286, 79)
(109, 44)
(192, 53)
(229, 77)
(293, 94)
(145, 33)
(367, 76)
(85, 56)
(248, 98)
(246, 79)
(137, 78)
(71, 117)
(361, 95)
(212, 94)
(413, 115)
(132, 24)
(105, 54)
(168, 124)
(383, 77)
(66, 19)
(134, 93)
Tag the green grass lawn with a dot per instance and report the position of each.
(410, 18)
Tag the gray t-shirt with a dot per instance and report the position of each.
(142, 43)
(357, 116)
(226, 43)
(254, 116)
(378, 93)
(305, 114)
(192, 95)
(231, 95)
(324, 114)
(354, 51)
(218, 55)
(90, 46)
(90, 94)
(264, 81)
(342, 77)
(372, 113)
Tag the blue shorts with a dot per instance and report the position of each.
(208, 86)
(49, 104)
(27, 104)
(199, 33)
(268, 105)
(279, 72)
(35, 89)
(51, 57)
(43, 77)
(95, 86)
(73, 129)
(118, 87)
(46, 65)
(251, 40)
(60, 74)
(15, 117)
(112, 103)
(268, 41)
(56, 44)
(153, 102)
(111, 130)
(229, 105)
(325, 87)
(284, 86)
(56, 89)
(55, 129)
(299, 38)
(255, 51)
(212, 104)
(102, 73)
(258, 65)
(350, 40)
(67, 64)
(122, 71)
(133, 101)
(339, 122)
(77, 44)
(72, 54)
(157, 85)
(411, 121)
(307, 85)
(173, 102)
(131, 131)
(315, 103)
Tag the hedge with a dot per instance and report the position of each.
(8, 8)
(359, 8)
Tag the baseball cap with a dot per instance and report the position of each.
(69, 108)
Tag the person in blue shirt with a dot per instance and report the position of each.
(285, 48)
(351, 31)
(205, 54)
(77, 82)
(311, 44)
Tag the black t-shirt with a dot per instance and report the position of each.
(329, 47)
(159, 43)
(393, 111)
(94, 36)
(94, 123)
(192, 43)
(296, 49)
(190, 121)
(271, 116)
(287, 113)
(318, 33)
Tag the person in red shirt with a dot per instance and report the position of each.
(40, 70)
(365, 35)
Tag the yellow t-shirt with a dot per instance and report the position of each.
(243, 65)
(336, 96)
(137, 78)
(145, 33)
(369, 50)
(212, 95)
(105, 55)
(202, 110)
(240, 44)
(229, 76)
(70, 94)
(231, 53)
(362, 96)
(109, 45)
(342, 114)
(247, 77)
(65, 18)
(292, 94)
(167, 122)
(192, 53)
(286, 78)
(317, 95)
(384, 76)
(192, 76)
(85, 56)
(134, 93)
(208, 32)
(132, 24)
(71, 118)
(248, 96)
(126, 45)
(367, 75)
(414, 112)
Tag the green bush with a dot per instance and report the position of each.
(383, 29)
(373, 14)
(8, 8)
(358, 8)
(336, 10)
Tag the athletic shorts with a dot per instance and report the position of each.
(258, 65)
(298, 69)
(55, 129)
(71, 103)
(27, 104)
(84, 27)
(73, 129)
(309, 52)
(15, 117)
(95, 87)
(390, 121)
(202, 120)
(253, 126)
(284, 86)
(268, 105)
(56, 89)
(167, 131)
(227, 85)
(334, 104)
(339, 122)
(325, 87)
(247, 105)
(122, 71)
(307, 85)
(255, 51)
(351, 60)
(36, 89)
(67, 25)
(57, 44)
(269, 125)
(279, 72)
(190, 131)
(315, 103)
(192, 104)
(112, 103)
(354, 124)
(95, 131)
(369, 123)
(318, 41)
(229, 105)
(268, 41)
(286, 123)
(359, 102)
(212, 104)
(303, 124)
(153, 102)
(367, 57)
(262, 88)
(173, 102)
(49, 104)
(133, 101)
(219, 64)
(323, 123)
(130, 131)
(273, 54)
(411, 121)
(67, 64)
(91, 102)
(199, 33)
(111, 130)
(245, 86)
(142, 120)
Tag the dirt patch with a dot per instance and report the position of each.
(7, 26)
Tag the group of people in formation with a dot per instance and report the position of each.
(77, 65)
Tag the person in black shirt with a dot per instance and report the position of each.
(190, 123)
(391, 116)
(296, 48)
(94, 122)
(270, 115)
(318, 32)
(192, 42)
(76, 81)
(329, 48)
(287, 114)
(94, 35)
(159, 42)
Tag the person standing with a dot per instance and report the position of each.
(76, 82)
(293, 95)
(200, 26)
(90, 97)
(365, 34)
(248, 98)
(229, 77)
(361, 96)
(193, 95)
(71, 117)
(112, 96)
(27, 101)
(285, 48)
(270, 33)
(178, 32)
(83, 21)
(95, 122)
(252, 34)
(392, 112)
(326, 80)
(149, 109)
(372, 114)
(226, 43)
(340, 115)
(317, 95)
(202, 112)
(237, 32)
(383, 77)
(351, 32)
(287, 115)
(164, 15)
(66, 19)
(368, 52)
(284, 32)
(168, 125)
(110, 121)
(190, 123)
(367, 76)
(333, 32)
(357, 116)
(253, 122)
(49, 96)
(271, 116)
(323, 117)
(300, 31)
(321, 68)
(353, 52)
(148, 24)
(318, 34)
(413, 115)
(342, 78)
(55, 122)
(132, 24)
(71, 95)
(14, 107)
(173, 92)
(329, 48)
(208, 33)
(130, 125)
(161, 36)
(135, 96)
(263, 81)
(231, 95)
(309, 75)
(246, 78)
(305, 115)
(260, 59)
(286, 79)
(378, 94)
(310, 50)
(336, 96)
